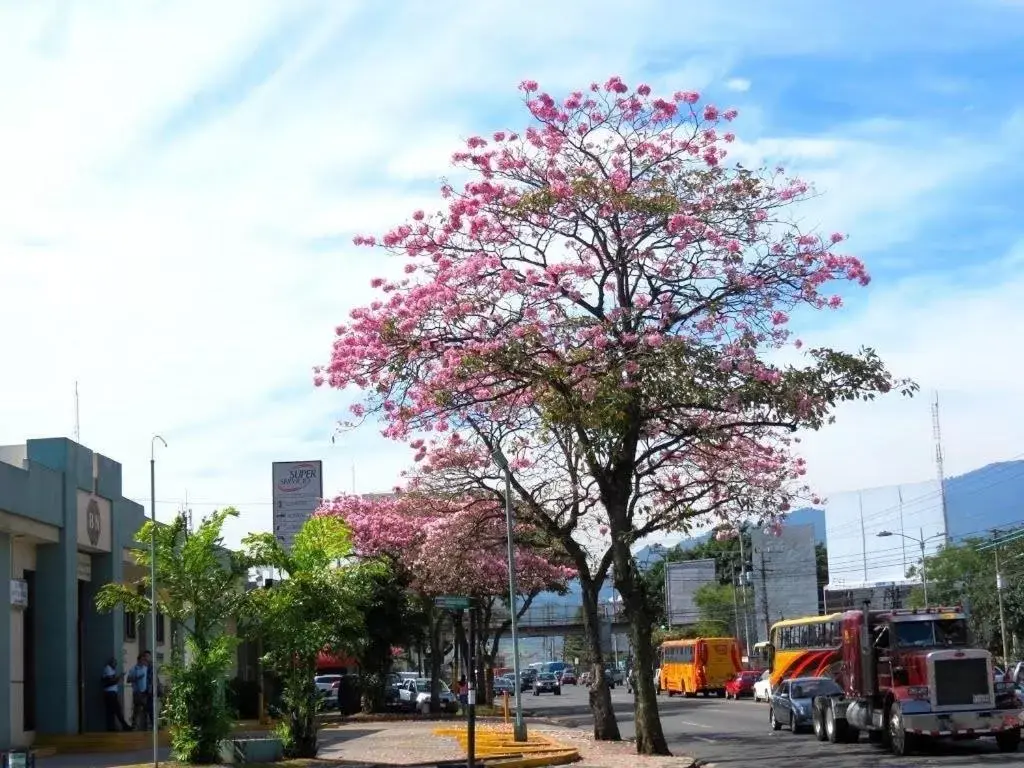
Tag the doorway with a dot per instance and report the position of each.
(28, 657)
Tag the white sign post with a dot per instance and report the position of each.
(298, 491)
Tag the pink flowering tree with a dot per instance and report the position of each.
(608, 300)
(455, 546)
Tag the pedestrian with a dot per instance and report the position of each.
(142, 702)
(111, 696)
(464, 693)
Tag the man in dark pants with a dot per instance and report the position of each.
(111, 697)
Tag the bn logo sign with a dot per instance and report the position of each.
(93, 522)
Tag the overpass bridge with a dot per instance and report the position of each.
(562, 620)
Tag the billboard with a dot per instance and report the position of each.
(858, 556)
(784, 575)
(298, 491)
(682, 580)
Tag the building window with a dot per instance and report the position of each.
(131, 626)
(159, 628)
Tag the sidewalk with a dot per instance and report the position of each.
(404, 743)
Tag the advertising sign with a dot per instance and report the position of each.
(298, 491)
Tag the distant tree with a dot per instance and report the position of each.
(821, 566)
(717, 610)
(963, 575)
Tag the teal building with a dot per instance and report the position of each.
(65, 531)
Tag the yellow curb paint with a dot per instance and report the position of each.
(496, 746)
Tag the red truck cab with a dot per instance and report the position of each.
(912, 675)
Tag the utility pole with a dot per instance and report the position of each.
(863, 537)
(736, 611)
(743, 587)
(764, 599)
(940, 466)
(1002, 613)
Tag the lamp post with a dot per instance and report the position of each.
(920, 542)
(519, 727)
(152, 595)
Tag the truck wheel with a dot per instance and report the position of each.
(818, 718)
(835, 730)
(901, 743)
(1008, 741)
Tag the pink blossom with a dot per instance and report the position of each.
(607, 243)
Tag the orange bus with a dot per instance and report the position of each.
(701, 665)
(807, 647)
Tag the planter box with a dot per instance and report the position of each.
(242, 751)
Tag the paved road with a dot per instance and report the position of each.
(736, 733)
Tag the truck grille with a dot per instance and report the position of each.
(957, 681)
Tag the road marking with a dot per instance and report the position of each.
(695, 725)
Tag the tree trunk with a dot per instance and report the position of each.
(606, 728)
(650, 738)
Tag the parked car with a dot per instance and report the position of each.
(763, 687)
(547, 683)
(415, 696)
(743, 684)
(568, 677)
(327, 687)
(792, 702)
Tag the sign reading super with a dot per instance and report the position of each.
(298, 490)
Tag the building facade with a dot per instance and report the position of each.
(65, 531)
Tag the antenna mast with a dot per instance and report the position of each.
(78, 430)
(939, 465)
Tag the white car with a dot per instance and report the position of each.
(763, 687)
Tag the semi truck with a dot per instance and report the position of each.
(911, 675)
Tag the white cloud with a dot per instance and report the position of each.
(163, 180)
(738, 84)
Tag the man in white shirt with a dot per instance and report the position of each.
(112, 698)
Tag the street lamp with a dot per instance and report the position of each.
(155, 693)
(920, 542)
(519, 727)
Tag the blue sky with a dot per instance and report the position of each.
(179, 184)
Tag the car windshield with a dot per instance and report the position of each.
(546, 677)
(326, 678)
(928, 634)
(809, 689)
(423, 684)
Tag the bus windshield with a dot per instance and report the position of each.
(930, 634)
